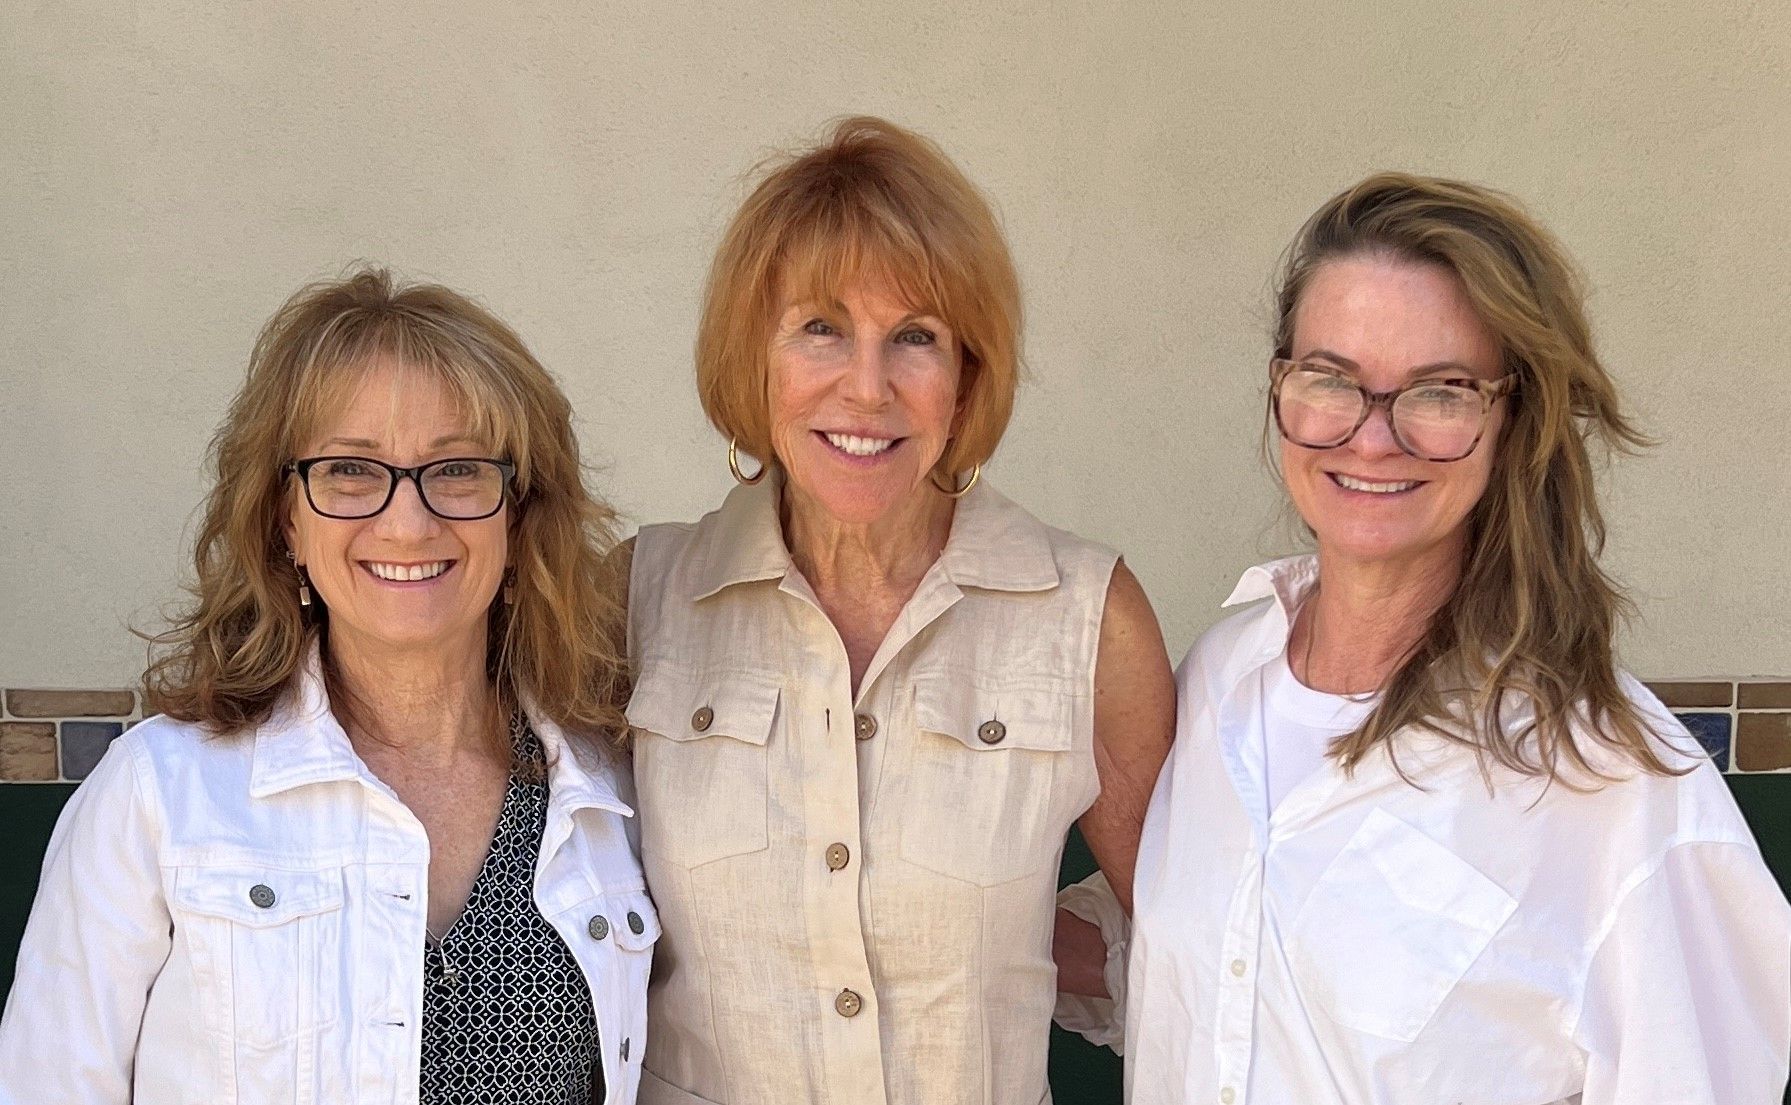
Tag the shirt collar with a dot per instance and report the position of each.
(994, 544)
(302, 743)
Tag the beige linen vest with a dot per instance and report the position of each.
(857, 894)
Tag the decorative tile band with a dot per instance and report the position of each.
(52, 736)
(58, 735)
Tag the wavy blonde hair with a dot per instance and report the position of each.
(234, 651)
(871, 200)
(1533, 616)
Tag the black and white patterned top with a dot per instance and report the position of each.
(507, 1016)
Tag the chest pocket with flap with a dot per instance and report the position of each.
(699, 761)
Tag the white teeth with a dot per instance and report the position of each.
(1354, 484)
(403, 573)
(859, 446)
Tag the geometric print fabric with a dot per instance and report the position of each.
(507, 1016)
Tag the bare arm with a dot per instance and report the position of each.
(1134, 725)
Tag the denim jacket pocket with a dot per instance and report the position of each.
(266, 948)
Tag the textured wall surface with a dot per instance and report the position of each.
(173, 169)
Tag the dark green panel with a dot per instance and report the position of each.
(27, 814)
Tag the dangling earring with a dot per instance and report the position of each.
(304, 587)
(510, 587)
(734, 465)
(976, 473)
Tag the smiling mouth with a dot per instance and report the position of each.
(1384, 487)
(862, 447)
(406, 573)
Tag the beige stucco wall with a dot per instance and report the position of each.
(172, 169)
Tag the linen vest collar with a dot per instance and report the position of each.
(994, 544)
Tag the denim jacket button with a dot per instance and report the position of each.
(599, 927)
(262, 895)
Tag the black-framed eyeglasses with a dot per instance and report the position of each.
(1318, 406)
(458, 489)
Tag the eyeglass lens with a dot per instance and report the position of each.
(348, 487)
(1434, 421)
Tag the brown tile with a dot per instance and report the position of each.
(27, 750)
(70, 703)
(1762, 741)
(1694, 694)
(1775, 695)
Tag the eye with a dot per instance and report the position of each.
(347, 469)
(459, 470)
(915, 335)
(820, 328)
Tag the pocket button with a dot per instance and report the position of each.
(991, 732)
(635, 924)
(262, 896)
(702, 719)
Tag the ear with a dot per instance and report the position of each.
(289, 520)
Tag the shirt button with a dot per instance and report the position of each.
(598, 928)
(838, 855)
(864, 726)
(1237, 968)
(262, 895)
(848, 1004)
(702, 719)
(1227, 1096)
(991, 732)
(635, 924)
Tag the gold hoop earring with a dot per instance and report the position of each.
(976, 473)
(734, 465)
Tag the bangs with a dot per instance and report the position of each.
(486, 402)
(846, 243)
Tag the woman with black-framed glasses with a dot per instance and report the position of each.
(376, 845)
(1420, 839)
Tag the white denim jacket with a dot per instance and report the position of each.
(241, 919)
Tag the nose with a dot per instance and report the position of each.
(867, 382)
(1375, 436)
(405, 517)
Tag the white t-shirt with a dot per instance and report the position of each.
(1299, 724)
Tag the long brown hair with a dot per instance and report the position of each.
(1530, 624)
(870, 200)
(234, 651)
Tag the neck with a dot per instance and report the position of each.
(432, 703)
(1366, 616)
(891, 553)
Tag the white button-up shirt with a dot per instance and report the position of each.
(241, 919)
(1380, 941)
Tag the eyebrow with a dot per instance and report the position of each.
(1454, 367)
(366, 443)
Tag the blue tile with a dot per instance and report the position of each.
(1712, 731)
(83, 743)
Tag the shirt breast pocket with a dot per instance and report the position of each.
(986, 787)
(700, 762)
(266, 947)
(1391, 927)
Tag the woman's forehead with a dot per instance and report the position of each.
(393, 406)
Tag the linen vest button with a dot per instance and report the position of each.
(991, 732)
(635, 924)
(702, 719)
(838, 855)
(864, 727)
(262, 895)
(599, 927)
(848, 1004)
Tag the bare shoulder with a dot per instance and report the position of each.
(1129, 626)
